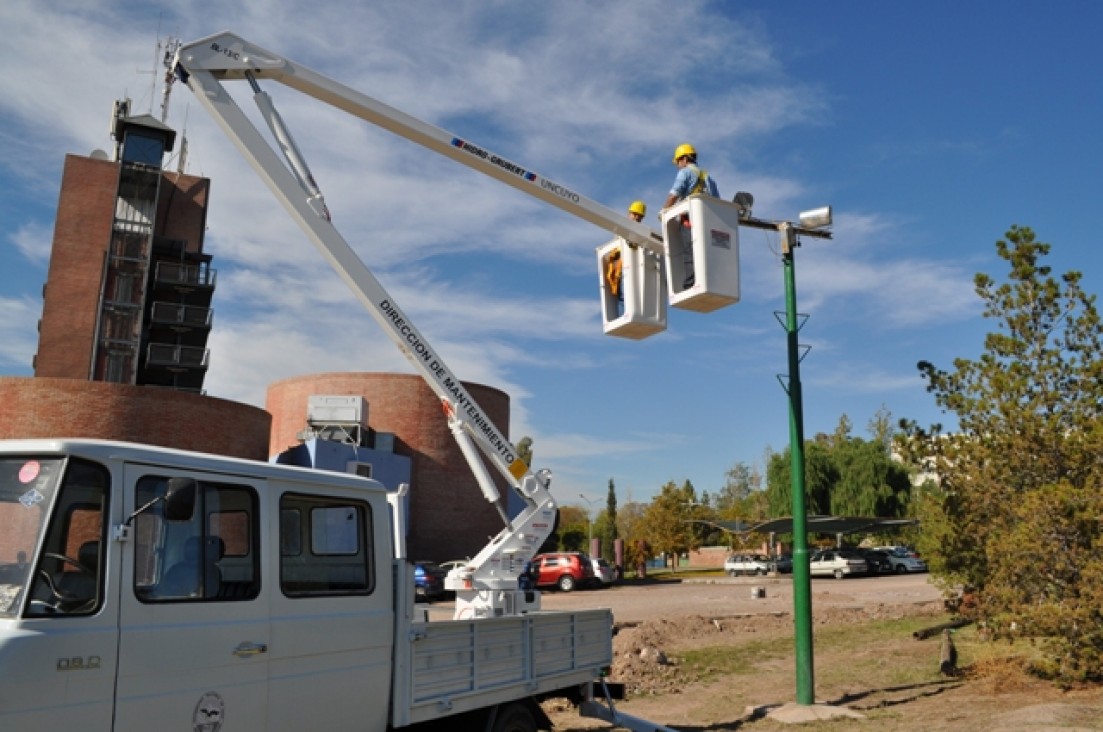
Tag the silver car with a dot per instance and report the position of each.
(603, 571)
(837, 563)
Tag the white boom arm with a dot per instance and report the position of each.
(227, 56)
(492, 586)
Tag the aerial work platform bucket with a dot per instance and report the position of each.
(709, 279)
(633, 294)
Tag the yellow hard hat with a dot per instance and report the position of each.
(638, 207)
(682, 150)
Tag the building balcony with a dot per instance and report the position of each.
(172, 356)
(185, 276)
(181, 316)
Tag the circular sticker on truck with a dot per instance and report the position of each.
(209, 713)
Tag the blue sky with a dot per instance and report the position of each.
(930, 128)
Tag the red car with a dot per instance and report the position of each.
(565, 570)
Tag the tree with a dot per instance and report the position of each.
(1014, 511)
(666, 525)
(820, 475)
(572, 529)
(846, 475)
(524, 450)
(740, 483)
(870, 482)
(609, 530)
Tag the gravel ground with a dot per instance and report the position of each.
(727, 597)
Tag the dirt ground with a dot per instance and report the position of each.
(658, 624)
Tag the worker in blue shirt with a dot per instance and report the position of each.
(691, 180)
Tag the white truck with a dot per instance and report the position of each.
(144, 587)
(148, 588)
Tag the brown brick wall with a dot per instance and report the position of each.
(47, 407)
(449, 518)
(82, 233)
(182, 208)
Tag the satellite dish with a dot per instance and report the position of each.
(98, 154)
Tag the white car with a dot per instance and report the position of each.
(837, 563)
(737, 565)
(603, 571)
(903, 560)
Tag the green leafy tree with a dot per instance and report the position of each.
(1014, 511)
(870, 482)
(846, 475)
(740, 483)
(820, 475)
(572, 529)
(609, 532)
(524, 450)
(666, 524)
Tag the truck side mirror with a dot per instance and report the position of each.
(180, 499)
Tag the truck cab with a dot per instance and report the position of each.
(141, 584)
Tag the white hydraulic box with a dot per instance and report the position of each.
(713, 228)
(633, 295)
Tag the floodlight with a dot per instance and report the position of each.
(744, 201)
(818, 218)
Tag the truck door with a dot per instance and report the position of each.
(194, 627)
(332, 611)
(58, 605)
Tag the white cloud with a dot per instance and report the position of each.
(17, 341)
(34, 240)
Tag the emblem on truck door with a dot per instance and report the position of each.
(209, 713)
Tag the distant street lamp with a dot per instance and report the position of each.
(589, 523)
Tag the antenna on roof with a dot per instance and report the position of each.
(171, 45)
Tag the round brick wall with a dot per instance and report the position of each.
(449, 518)
(52, 407)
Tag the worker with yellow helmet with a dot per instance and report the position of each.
(691, 180)
(614, 265)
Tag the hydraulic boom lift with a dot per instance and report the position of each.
(489, 585)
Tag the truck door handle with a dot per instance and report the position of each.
(244, 650)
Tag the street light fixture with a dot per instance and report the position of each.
(813, 224)
(589, 523)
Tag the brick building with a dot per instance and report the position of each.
(127, 307)
(128, 293)
(449, 518)
(122, 350)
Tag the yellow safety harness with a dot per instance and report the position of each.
(613, 272)
(702, 180)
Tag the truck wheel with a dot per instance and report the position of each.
(839, 574)
(514, 718)
(901, 569)
(733, 572)
(566, 583)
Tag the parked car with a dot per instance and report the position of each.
(603, 571)
(565, 570)
(837, 563)
(740, 564)
(782, 563)
(903, 560)
(428, 581)
(877, 560)
(899, 549)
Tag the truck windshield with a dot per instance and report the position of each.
(27, 489)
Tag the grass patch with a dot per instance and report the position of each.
(705, 664)
(880, 651)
